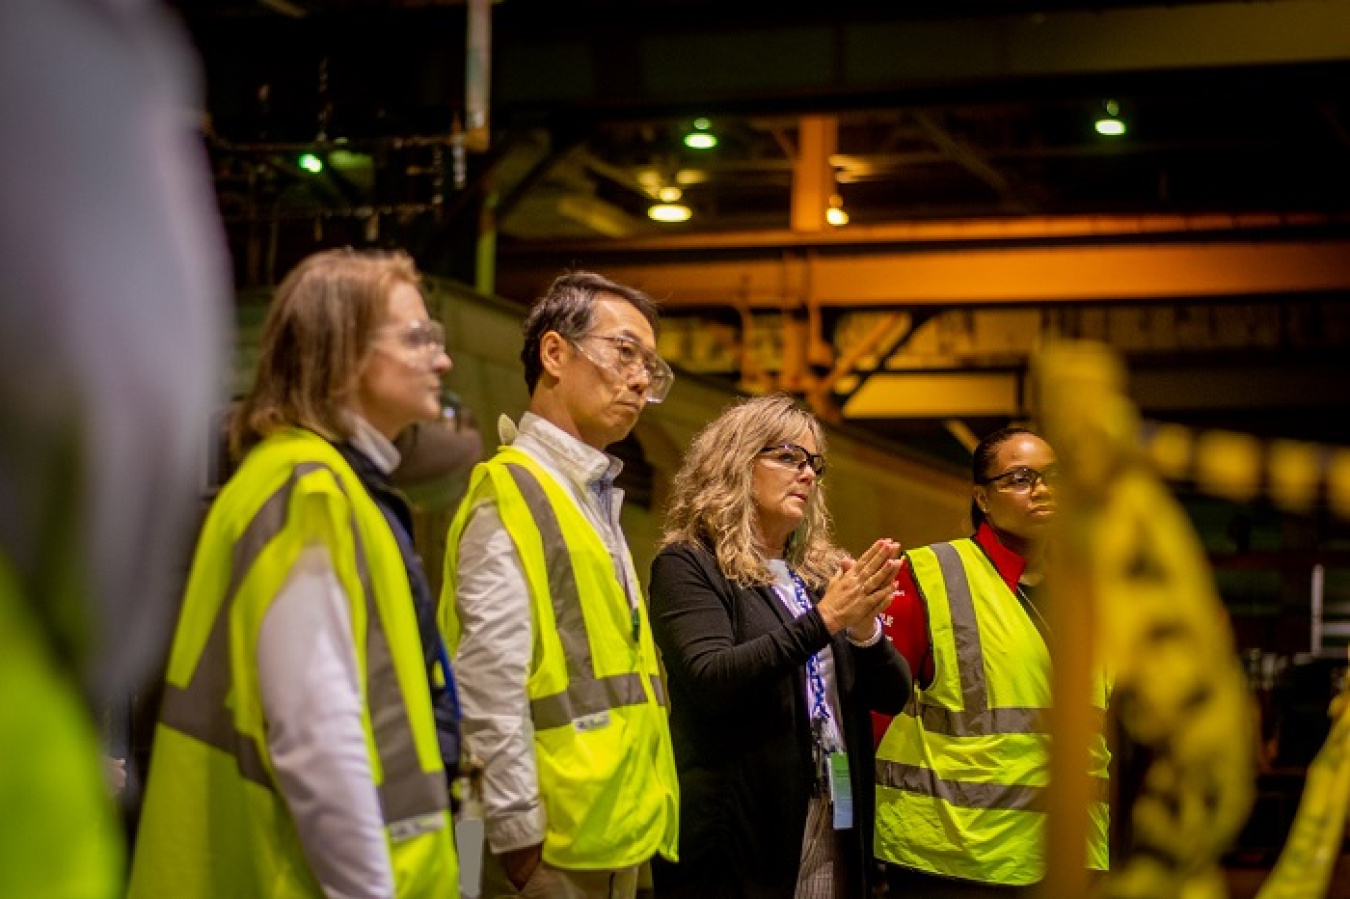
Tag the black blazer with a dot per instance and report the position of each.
(736, 662)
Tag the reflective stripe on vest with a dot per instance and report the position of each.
(586, 694)
(411, 800)
(976, 718)
(971, 794)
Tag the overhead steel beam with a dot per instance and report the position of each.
(937, 395)
(1158, 391)
(874, 277)
(822, 58)
(971, 232)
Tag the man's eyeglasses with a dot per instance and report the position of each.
(1022, 479)
(790, 455)
(625, 357)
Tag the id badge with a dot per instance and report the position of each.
(841, 791)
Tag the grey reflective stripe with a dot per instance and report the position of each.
(562, 580)
(976, 719)
(971, 794)
(407, 793)
(659, 690)
(585, 698)
(951, 723)
(199, 709)
(965, 629)
(939, 720)
(586, 694)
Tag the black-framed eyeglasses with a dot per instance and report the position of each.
(1022, 479)
(625, 357)
(790, 455)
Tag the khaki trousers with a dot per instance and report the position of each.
(548, 882)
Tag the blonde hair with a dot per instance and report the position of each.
(317, 336)
(713, 495)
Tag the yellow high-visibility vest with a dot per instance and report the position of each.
(214, 823)
(962, 772)
(62, 837)
(602, 739)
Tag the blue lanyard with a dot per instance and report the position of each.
(822, 723)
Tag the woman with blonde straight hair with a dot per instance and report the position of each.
(775, 658)
(309, 727)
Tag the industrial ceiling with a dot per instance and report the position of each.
(986, 213)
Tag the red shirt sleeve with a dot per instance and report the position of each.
(905, 622)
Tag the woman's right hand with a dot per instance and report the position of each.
(862, 588)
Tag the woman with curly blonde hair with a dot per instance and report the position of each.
(775, 658)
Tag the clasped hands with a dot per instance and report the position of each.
(861, 589)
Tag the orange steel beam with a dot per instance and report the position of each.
(1289, 385)
(857, 277)
(812, 174)
(1020, 228)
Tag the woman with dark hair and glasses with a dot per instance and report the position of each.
(775, 656)
(961, 773)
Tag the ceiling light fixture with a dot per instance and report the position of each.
(669, 194)
(835, 214)
(1109, 124)
(701, 138)
(669, 212)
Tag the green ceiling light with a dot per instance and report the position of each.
(669, 212)
(701, 138)
(310, 163)
(1109, 124)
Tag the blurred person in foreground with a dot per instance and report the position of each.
(775, 657)
(561, 688)
(961, 773)
(297, 752)
(114, 288)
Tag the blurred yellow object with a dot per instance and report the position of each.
(1228, 465)
(1132, 585)
(1293, 474)
(1304, 867)
(1338, 483)
(1173, 451)
(61, 833)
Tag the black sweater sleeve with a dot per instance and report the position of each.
(884, 680)
(694, 610)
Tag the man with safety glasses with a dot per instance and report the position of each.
(561, 692)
